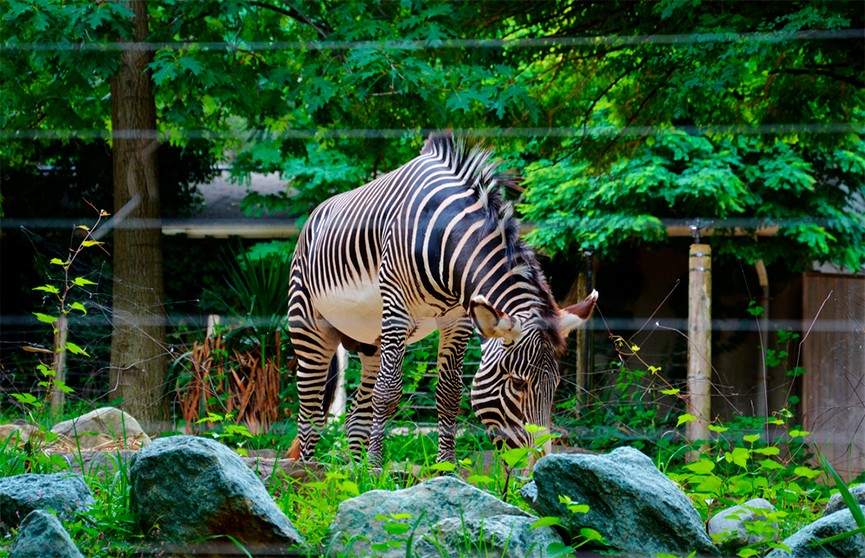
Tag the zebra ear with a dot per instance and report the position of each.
(492, 322)
(577, 314)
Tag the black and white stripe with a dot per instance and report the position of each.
(431, 245)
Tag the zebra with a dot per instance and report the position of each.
(430, 245)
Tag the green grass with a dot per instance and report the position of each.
(737, 466)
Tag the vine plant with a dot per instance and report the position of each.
(53, 382)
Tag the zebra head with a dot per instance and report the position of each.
(519, 371)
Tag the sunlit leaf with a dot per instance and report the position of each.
(75, 349)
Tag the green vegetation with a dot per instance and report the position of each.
(622, 117)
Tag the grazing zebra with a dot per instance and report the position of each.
(431, 245)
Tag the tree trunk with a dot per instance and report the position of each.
(138, 356)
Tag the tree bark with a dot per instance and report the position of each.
(138, 356)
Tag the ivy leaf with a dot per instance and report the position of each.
(78, 306)
(685, 418)
(82, 282)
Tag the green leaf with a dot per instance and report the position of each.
(480, 479)
(718, 429)
(61, 385)
(396, 528)
(45, 318)
(82, 282)
(75, 349)
(769, 450)
(685, 418)
(806, 472)
(516, 457)
(751, 438)
(738, 456)
(591, 535)
(78, 306)
(350, 487)
(534, 428)
(48, 289)
(58, 261)
(443, 466)
(770, 465)
(701, 467)
(672, 391)
(546, 521)
(26, 398)
(89, 243)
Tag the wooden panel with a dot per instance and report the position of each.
(833, 354)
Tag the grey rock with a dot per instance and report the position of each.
(839, 522)
(729, 527)
(21, 494)
(194, 487)
(836, 502)
(19, 433)
(42, 536)
(443, 516)
(102, 426)
(634, 506)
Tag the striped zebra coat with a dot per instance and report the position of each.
(430, 245)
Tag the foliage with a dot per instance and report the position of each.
(729, 182)
(258, 297)
(61, 308)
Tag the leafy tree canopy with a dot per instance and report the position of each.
(620, 114)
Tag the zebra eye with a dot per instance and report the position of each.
(518, 384)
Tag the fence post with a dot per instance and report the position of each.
(700, 336)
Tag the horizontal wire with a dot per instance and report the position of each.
(540, 42)
(397, 133)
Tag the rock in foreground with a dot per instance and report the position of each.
(801, 543)
(194, 488)
(633, 505)
(443, 516)
(19, 495)
(42, 536)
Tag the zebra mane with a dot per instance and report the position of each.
(473, 163)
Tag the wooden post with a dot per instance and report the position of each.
(761, 398)
(700, 346)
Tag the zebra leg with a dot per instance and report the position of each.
(315, 342)
(388, 385)
(359, 420)
(454, 336)
(311, 379)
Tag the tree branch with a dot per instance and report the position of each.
(295, 14)
(821, 72)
